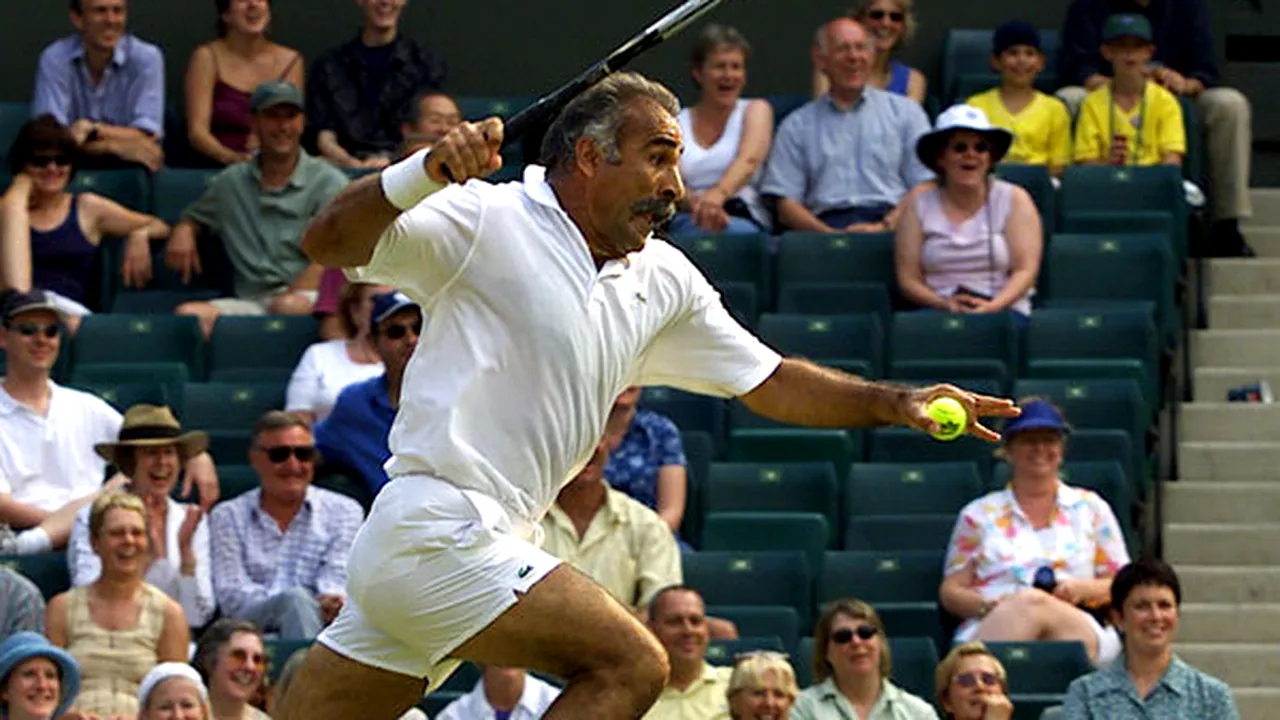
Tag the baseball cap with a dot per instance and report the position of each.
(1036, 415)
(16, 303)
(1127, 25)
(1014, 33)
(275, 92)
(387, 304)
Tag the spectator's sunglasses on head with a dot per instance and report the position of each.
(879, 15)
(970, 679)
(30, 329)
(281, 453)
(844, 636)
(395, 332)
(42, 160)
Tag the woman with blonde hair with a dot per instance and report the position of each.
(972, 684)
(173, 691)
(851, 666)
(117, 627)
(762, 687)
(891, 24)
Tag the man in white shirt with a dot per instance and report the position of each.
(546, 299)
(503, 694)
(48, 467)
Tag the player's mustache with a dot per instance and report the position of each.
(660, 209)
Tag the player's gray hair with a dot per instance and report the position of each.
(599, 114)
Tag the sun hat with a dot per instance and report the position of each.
(962, 117)
(1036, 415)
(153, 426)
(168, 671)
(23, 646)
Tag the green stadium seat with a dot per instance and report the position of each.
(784, 105)
(1115, 268)
(902, 586)
(482, 107)
(437, 701)
(823, 258)
(13, 115)
(48, 570)
(779, 621)
(731, 258)
(279, 650)
(742, 300)
(899, 533)
(752, 531)
(1123, 196)
(105, 338)
(1120, 342)
(724, 652)
(688, 411)
(803, 664)
(901, 445)
(131, 188)
(932, 344)
(850, 342)
(968, 52)
(229, 446)
(773, 487)
(698, 451)
(253, 375)
(1193, 161)
(124, 395)
(229, 406)
(1035, 179)
(1041, 668)
(170, 376)
(174, 190)
(836, 299)
(752, 578)
(838, 447)
(910, 489)
(234, 477)
(914, 661)
(272, 341)
(156, 302)
(742, 418)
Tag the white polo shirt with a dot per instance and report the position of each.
(529, 344)
(48, 460)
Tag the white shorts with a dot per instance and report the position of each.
(1108, 638)
(431, 567)
(258, 305)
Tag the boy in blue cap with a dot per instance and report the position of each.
(1040, 123)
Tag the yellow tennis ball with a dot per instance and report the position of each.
(950, 416)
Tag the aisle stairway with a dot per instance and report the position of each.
(1222, 520)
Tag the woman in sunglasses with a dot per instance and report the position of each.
(969, 243)
(117, 627)
(762, 687)
(972, 684)
(49, 237)
(851, 665)
(232, 659)
(891, 24)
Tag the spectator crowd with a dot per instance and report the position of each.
(178, 587)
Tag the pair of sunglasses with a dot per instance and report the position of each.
(962, 147)
(395, 332)
(32, 329)
(844, 636)
(894, 15)
(968, 680)
(41, 161)
(281, 453)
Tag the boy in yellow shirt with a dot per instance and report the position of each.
(1130, 121)
(1040, 123)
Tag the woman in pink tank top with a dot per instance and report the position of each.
(222, 75)
(968, 243)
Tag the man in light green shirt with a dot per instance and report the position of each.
(695, 689)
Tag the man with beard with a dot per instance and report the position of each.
(547, 298)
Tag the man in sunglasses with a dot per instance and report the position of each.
(48, 467)
(354, 434)
(695, 688)
(280, 551)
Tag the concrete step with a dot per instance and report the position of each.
(1219, 544)
(1266, 206)
(1240, 665)
(1235, 348)
(1229, 584)
(1223, 421)
(1212, 383)
(1243, 276)
(1264, 239)
(1244, 312)
(1257, 703)
(1221, 502)
(1256, 461)
(1230, 622)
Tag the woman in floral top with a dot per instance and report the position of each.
(1005, 539)
(646, 458)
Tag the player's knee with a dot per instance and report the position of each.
(644, 672)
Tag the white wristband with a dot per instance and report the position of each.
(406, 183)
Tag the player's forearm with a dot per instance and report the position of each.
(802, 393)
(346, 231)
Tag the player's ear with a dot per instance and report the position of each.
(587, 155)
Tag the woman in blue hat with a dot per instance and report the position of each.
(37, 680)
(1029, 561)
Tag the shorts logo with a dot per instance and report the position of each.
(524, 571)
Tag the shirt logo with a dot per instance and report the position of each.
(524, 571)
(640, 296)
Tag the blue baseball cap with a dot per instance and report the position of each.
(1036, 415)
(23, 646)
(275, 92)
(387, 304)
(1014, 33)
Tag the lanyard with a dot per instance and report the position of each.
(1137, 128)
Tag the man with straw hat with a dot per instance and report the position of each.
(151, 451)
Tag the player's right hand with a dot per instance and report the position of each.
(470, 150)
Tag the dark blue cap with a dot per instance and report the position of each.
(387, 304)
(1036, 415)
(1014, 33)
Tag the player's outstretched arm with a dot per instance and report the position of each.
(802, 393)
(347, 230)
